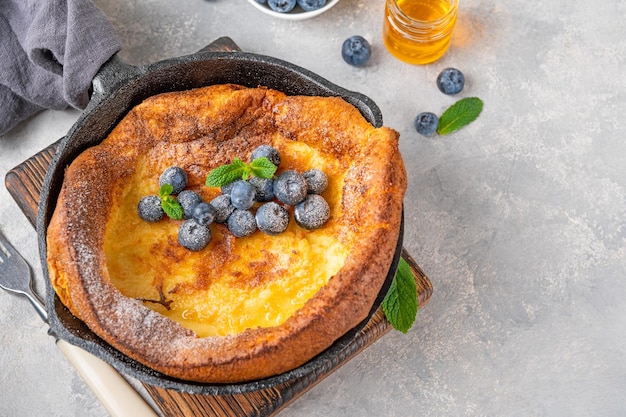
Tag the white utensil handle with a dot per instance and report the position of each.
(118, 397)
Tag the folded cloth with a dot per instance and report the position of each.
(50, 50)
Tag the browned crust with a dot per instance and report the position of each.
(78, 268)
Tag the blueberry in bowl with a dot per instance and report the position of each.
(281, 6)
(311, 5)
(293, 9)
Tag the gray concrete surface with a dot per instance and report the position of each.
(518, 219)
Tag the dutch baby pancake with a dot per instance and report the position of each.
(239, 308)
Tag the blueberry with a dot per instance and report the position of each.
(150, 209)
(272, 218)
(312, 213)
(316, 181)
(242, 195)
(188, 200)
(281, 6)
(204, 213)
(176, 177)
(290, 187)
(223, 208)
(226, 189)
(266, 151)
(356, 50)
(310, 5)
(241, 223)
(264, 189)
(450, 81)
(193, 236)
(426, 123)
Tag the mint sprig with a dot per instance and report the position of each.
(262, 168)
(460, 114)
(400, 305)
(170, 206)
(225, 174)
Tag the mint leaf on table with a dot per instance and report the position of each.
(170, 206)
(400, 304)
(460, 114)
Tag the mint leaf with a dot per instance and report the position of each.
(227, 173)
(460, 114)
(400, 304)
(165, 190)
(242, 168)
(170, 206)
(263, 168)
(260, 167)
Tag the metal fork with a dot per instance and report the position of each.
(118, 397)
(16, 277)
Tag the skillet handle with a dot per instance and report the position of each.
(223, 44)
(111, 76)
(115, 72)
(116, 395)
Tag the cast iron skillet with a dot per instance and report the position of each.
(118, 87)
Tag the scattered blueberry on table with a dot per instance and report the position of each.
(356, 51)
(426, 123)
(450, 81)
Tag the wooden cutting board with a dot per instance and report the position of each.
(24, 183)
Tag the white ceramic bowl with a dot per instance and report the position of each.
(296, 14)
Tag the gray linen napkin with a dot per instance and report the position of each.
(49, 52)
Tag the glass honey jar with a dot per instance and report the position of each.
(419, 31)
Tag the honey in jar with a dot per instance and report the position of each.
(419, 31)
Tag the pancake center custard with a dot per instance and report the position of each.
(234, 283)
(246, 305)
